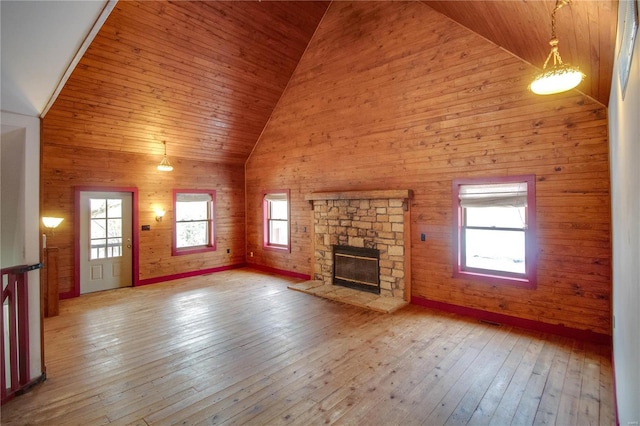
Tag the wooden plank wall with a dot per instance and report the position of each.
(394, 95)
(64, 168)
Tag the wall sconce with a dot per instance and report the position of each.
(51, 223)
(49, 280)
(160, 214)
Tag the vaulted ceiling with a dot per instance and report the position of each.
(204, 77)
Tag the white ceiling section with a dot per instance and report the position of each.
(41, 43)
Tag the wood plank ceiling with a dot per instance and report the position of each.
(205, 76)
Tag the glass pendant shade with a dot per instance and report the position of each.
(557, 79)
(165, 165)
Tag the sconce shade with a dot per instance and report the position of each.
(160, 214)
(51, 222)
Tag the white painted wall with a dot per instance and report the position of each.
(23, 140)
(624, 140)
(41, 42)
(12, 227)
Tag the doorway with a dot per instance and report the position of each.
(106, 240)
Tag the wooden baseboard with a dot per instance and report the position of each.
(279, 271)
(26, 388)
(560, 330)
(155, 280)
(189, 274)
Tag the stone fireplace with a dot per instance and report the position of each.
(369, 220)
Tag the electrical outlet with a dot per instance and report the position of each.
(423, 237)
(228, 251)
(250, 254)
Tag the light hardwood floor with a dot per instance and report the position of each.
(238, 347)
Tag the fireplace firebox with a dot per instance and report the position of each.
(357, 268)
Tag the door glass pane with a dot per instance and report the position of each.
(114, 208)
(115, 247)
(98, 249)
(106, 222)
(114, 227)
(98, 208)
(98, 228)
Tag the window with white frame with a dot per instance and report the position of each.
(276, 220)
(194, 221)
(495, 229)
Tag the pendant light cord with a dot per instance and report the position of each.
(557, 60)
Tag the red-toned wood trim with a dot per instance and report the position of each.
(41, 378)
(16, 293)
(23, 330)
(212, 224)
(574, 333)
(68, 294)
(530, 280)
(76, 229)
(13, 354)
(265, 222)
(283, 272)
(189, 274)
(3, 380)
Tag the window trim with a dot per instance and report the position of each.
(212, 246)
(529, 279)
(265, 221)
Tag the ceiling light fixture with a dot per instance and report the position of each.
(165, 165)
(560, 77)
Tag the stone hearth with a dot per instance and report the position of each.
(366, 219)
(350, 296)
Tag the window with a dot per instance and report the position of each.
(495, 228)
(276, 220)
(194, 221)
(105, 228)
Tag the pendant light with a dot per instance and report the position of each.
(165, 165)
(560, 77)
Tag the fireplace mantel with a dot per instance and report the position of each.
(402, 194)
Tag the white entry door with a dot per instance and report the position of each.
(105, 240)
